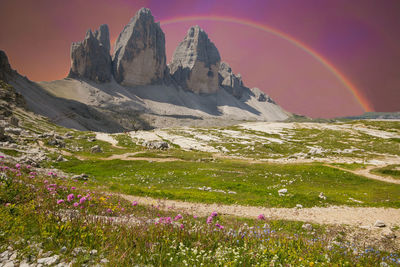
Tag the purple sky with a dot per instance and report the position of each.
(361, 38)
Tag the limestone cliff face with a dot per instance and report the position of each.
(231, 82)
(90, 59)
(139, 53)
(5, 68)
(195, 63)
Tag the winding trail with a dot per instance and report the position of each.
(367, 174)
(337, 215)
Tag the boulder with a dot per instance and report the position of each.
(380, 224)
(90, 59)
(157, 145)
(195, 63)
(96, 149)
(139, 52)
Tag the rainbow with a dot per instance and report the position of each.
(364, 103)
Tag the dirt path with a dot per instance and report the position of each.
(366, 173)
(354, 216)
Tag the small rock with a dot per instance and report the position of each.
(96, 149)
(389, 234)
(13, 257)
(383, 264)
(379, 223)
(8, 264)
(24, 264)
(307, 227)
(104, 261)
(299, 206)
(82, 176)
(63, 249)
(93, 252)
(60, 158)
(282, 192)
(49, 260)
(322, 196)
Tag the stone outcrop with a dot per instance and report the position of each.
(261, 96)
(195, 63)
(90, 59)
(139, 53)
(232, 83)
(5, 68)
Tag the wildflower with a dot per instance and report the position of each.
(109, 210)
(78, 196)
(209, 219)
(28, 166)
(1, 157)
(73, 188)
(194, 216)
(261, 217)
(134, 203)
(76, 204)
(219, 226)
(7, 204)
(82, 200)
(214, 214)
(17, 165)
(178, 217)
(182, 226)
(60, 201)
(70, 197)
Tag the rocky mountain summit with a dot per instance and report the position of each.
(90, 59)
(139, 54)
(195, 63)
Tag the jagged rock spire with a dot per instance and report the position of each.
(195, 63)
(90, 59)
(139, 52)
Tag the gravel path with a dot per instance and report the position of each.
(354, 216)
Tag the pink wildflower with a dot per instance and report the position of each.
(17, 165)
(178, 217)
(7, 204)
(182, 226)
(78, 196)
(76, 204)
(1, 157)
(134, 203)
(70, 197)
(209, 219)
(214, 214)
(109, 210)
(261, 217)
(60, 201)
(82, 200)
(194, 216)
(73, 188)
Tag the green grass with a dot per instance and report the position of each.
(391, 170)
(10, 152)
(33, 224)
(254, 184)
(349, 166)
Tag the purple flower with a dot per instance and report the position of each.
(134, 203)
(182, 226)
(261, 217)
(60, 201)
(219, 226)
(78, 196)
(82, 200)
(194, 216)
(214, 214)
(209, 219)
(17, 165)
(76, 204)
(73, 188)
(109, 210)
(178, 217)
(70, 197)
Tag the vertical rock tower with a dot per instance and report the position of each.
(139, 52)
(90, 59)
(195, 63)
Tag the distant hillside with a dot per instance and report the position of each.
(376, 115)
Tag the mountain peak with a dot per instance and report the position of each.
(195, 63)
(139, 54)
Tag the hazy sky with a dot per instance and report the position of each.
(358, 38)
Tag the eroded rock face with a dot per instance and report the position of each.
(5, 68)
(230, 82)
(139, 53)
(195, 63)
(90, 59)
(261, 96)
